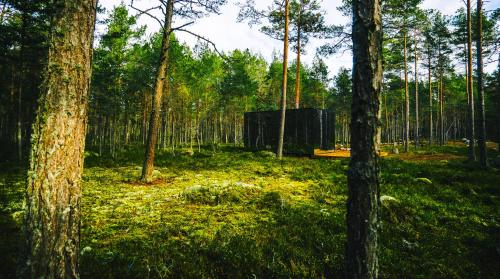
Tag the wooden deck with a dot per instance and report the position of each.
(318, 153)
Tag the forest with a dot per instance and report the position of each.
(127, 152)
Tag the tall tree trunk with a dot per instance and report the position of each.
(144, 117)
(470, 97)
(498, 105)
(417, 137)
(154, 122)
(467, 90)
(407, 96)
(127, 126)
(387, 134)
(297, 74)
(100, 133)
(58, 141)
(164, 116)
(21, 80)
(279, 152)
(19, 125)
(441, 110)
(430, 95)
(11, 129)
(481, 135)
(363, 176)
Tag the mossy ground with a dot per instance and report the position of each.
(237, 214)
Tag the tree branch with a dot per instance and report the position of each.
(182, 26)
(204, 39)
(146, 12)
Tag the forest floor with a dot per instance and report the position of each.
(238, 214)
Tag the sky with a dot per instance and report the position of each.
(228, 34)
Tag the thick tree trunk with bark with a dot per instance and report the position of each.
(481, 133)
(154, 122)
(470, 97)
(279, 152)
(58, 140)
(363, 176)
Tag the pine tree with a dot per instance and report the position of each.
(154, 123)
(306, 20)
(182, 8)
(401, 17)
(363, 175)
(481, 135)
(279, 152)
(58, 141)
(470, 93)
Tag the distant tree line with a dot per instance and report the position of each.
(424, 96)
(206, 92)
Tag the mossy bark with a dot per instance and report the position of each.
(58, 141)
(154, 122)
(363, 175)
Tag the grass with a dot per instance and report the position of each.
(237, 214)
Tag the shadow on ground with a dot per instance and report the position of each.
(11, 196)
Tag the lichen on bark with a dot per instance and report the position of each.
(52, 221)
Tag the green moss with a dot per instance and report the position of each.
(238, 214)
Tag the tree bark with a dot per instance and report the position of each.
(441, 110)
(470, 97)
(407, 97)
(498, 105)
(363, 175)
(430, 96)
(154, 122)
(21, 80)
(279, 152)
(127, 123)
(144, 117)
(58, 141)
(297, 74)
(387, 133)
(19, 136)
(417, 137)
(481, 135)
